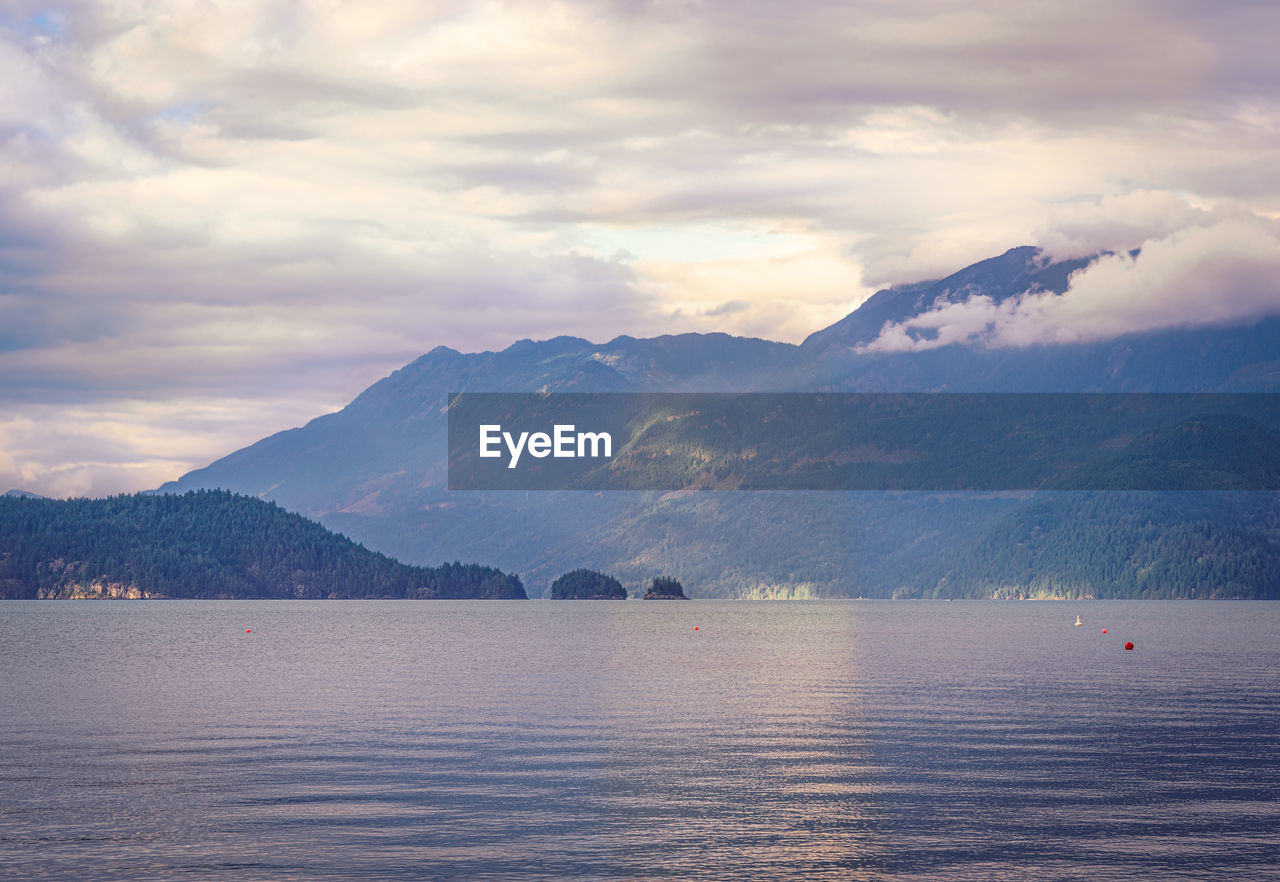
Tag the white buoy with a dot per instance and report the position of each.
(1078, 622)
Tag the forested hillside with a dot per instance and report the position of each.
(207, 544)
(1126, 545)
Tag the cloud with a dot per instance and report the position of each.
(121, 446)
(1117, 222)
(729, 307)
(283, 202)
(803, 285)
(1219, 273)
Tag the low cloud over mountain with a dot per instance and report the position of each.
(1223, 272)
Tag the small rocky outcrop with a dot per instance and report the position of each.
(665, 588)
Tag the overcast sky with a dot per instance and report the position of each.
(218, 220)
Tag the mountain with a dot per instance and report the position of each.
(1140, 544)
(1225, 359)
(1205, 452)
(376, 469)
(1131, 545)
(206, 544)
(1016, 271)
(391, 439)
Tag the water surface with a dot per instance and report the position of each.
(588, 740)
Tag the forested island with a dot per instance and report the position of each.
(207, 544)
(583, 584)
(665, 588)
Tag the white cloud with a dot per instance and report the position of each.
(124, 445)
(782, 297)
(1219, 273)
(1117, 222)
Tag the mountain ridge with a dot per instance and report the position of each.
(375, 469)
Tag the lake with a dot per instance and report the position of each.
(595, 740)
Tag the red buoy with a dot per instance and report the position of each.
(1104, 630)
(246, 630)
(695, 627)
(1128, 646)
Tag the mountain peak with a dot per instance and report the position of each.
(1020, 269)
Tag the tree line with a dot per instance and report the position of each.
(210, 544)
